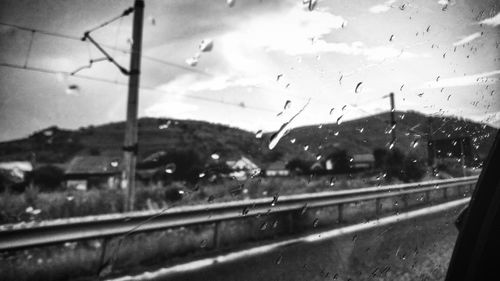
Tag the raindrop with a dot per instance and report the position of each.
(332, 181)
(318, 156)
(114, 163)
(201, 175)
(315, 222)
(336, 133)
(391, 38)
(73, 89)
(287, 105)
(414, 143)
(306, 147)
(263, 226)
(258, 135)
(170, 168)
(421, 94)
(206, 45)
(331, 110)
(339, 120)
(428, 28)
(279, 259)
(293, 140)
(275, 138)
(245, 211)
(401, 89)
(211, 199)
(70, 198)
(230, 3)
(445, 7)
(215, 156)
(203, 243)
(152, 20)
(340, 79)
(193, 61)
(437, 78)
(275, 200)
(357, 89)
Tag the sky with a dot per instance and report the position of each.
(269, 59)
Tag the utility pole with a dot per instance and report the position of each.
(393, 120)
(130, 146)
(462, 157)
(430, 144)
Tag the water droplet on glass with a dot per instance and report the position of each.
(279, 259)
(318, 156)
(275, 200)
(73, 89)
(287, 105)
(391, 38)
(332, 181)
(203, 243)
(358, 87)
(206, 45)
(306, 147)
(263, 226)
(245, 211)
(230, 3)
(170, 168)
(258, 135)
(315, 222)
(293, 140)
(215, 156)
(192, 61)
(339, 120)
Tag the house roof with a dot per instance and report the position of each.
(278, 165)
(363, 158)
(24, 166)
(94, 165)
(242, 163)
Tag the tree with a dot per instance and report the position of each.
(413, 169)
(340, 160)
(48, 177)
(298, 165)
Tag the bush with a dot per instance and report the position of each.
(413, 169)
(48, 177)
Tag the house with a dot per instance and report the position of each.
(243, 167)
(84, 172)
(17, 169)
(362, 161)
(277, 169)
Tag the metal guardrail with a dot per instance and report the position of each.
(21, 236)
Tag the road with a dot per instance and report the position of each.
(418, 249)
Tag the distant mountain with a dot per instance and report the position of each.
(54, 145)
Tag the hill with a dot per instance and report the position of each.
(55, 145)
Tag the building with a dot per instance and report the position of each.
(84, 172)
(243, 167)
(362, 161)
(277, 169)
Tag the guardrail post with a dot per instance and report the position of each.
(427, 196)
(103, 251)
(340, 217)
(404, 198)
(378, 207)
(216, 241)
(290, 218)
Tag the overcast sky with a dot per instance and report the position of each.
(437, 56)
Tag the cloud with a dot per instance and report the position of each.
(382, 8)
(494, 21)
(170, 108)
(461, 81)
(467, 39)
(197, 83)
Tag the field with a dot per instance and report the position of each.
(33, 205)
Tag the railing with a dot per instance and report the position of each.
(21, 236)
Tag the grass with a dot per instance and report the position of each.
(72, 203)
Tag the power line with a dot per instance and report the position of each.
(79, 39)
(145, 88)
